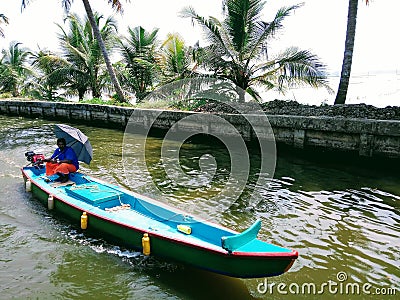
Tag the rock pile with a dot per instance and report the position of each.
(282, 107)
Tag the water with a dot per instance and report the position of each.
(343, 220)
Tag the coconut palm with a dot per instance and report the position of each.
(13, 69)
(348, 52)
(3, 19)
(139, 54)
(177, 60)
(45, 84)
(84, 69)
(238, 44)
(116, 4)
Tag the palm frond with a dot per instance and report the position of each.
(240, 19)
(138, 52)
(293, 67)
(212, 32)
(175, 54)
(14, 70)
(253, 93)
(3, 19)
(262, 31)
(301, 66)
(83, 53)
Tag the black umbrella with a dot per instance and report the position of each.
(76, 140)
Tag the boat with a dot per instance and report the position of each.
(138, 222)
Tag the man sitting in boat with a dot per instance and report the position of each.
(62, 162)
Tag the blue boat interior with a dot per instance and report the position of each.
(114, 202)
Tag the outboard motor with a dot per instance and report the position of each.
(35, 158)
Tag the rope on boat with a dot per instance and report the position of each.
(118, 208)
(93, 187)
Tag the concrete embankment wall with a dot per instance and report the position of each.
(365, 137)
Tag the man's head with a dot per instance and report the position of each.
(61, 143)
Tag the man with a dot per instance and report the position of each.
(62, 162)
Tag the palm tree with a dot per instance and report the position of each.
(238, 50)
(13, 69)
(348, 52)
(45, 85)
(139, 56)
(177, 60)
(116, 4)
(3, 19)
(83, 69)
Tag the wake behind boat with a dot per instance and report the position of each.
(141, 223)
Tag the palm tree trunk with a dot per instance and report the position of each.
(348, 52)
(241, 93)
(99, 39)
(81, 94)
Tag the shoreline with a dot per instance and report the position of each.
(348, 136)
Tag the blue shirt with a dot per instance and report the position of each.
(68, 154)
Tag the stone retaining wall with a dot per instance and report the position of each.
(366, 137)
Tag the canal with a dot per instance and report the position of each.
(343, 220)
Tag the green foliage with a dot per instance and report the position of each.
(238, 46)
(140, 70)
(5, 95)
(13, 69)
(177, 61)
(45, 84)
(84, 68)
(100, 101)
(237, 52)
(189, 105)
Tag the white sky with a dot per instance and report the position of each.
(319, 26)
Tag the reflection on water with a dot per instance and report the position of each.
(339, 219)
